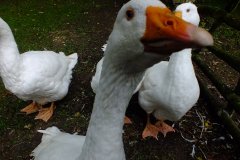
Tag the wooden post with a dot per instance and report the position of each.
(231, 60)
(217, 107)
(229, 95)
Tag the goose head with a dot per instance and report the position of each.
(188, 12)
(146, 31)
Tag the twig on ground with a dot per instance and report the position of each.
(202, 152)
(188, 140)
(203, 123)
(193, 151)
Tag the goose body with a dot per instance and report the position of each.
(174, 88)
(40, 76)
(170, 88)
(125, 61)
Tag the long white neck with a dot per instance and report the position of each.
(180, 65)
(9, 54)
(104, 135)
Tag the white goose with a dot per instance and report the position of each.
(135, 44)
(40, 76)
(170, 89)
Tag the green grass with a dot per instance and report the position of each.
(228, 39)
(33, 21)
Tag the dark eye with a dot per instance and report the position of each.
(188, 10)
(129, 14)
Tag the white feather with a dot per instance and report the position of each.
(52, 138)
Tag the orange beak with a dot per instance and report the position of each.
(178, 14)
(166, 33)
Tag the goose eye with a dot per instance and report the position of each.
(129, 14)
(188, 10)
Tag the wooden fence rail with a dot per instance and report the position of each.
(218, 108)
(232, 96)
(231, 60)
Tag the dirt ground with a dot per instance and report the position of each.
(198, 131)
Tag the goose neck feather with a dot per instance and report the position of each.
(180, 62)
(116, 89)
(9, 54)
(8, 51)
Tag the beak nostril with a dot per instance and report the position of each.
(169, 23)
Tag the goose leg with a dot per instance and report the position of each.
(46, 113)
(150, 129)
(164, 128)
(31, 108)
(127, 120)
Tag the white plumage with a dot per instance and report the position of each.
(40, 76)
(125, 61)
(53, 138)
(170, 89)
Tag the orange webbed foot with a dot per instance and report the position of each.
(127, 120)
(150, 131)
(46, 113)
(31, 108)
(164, 128)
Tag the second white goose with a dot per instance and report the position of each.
(170, 89)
